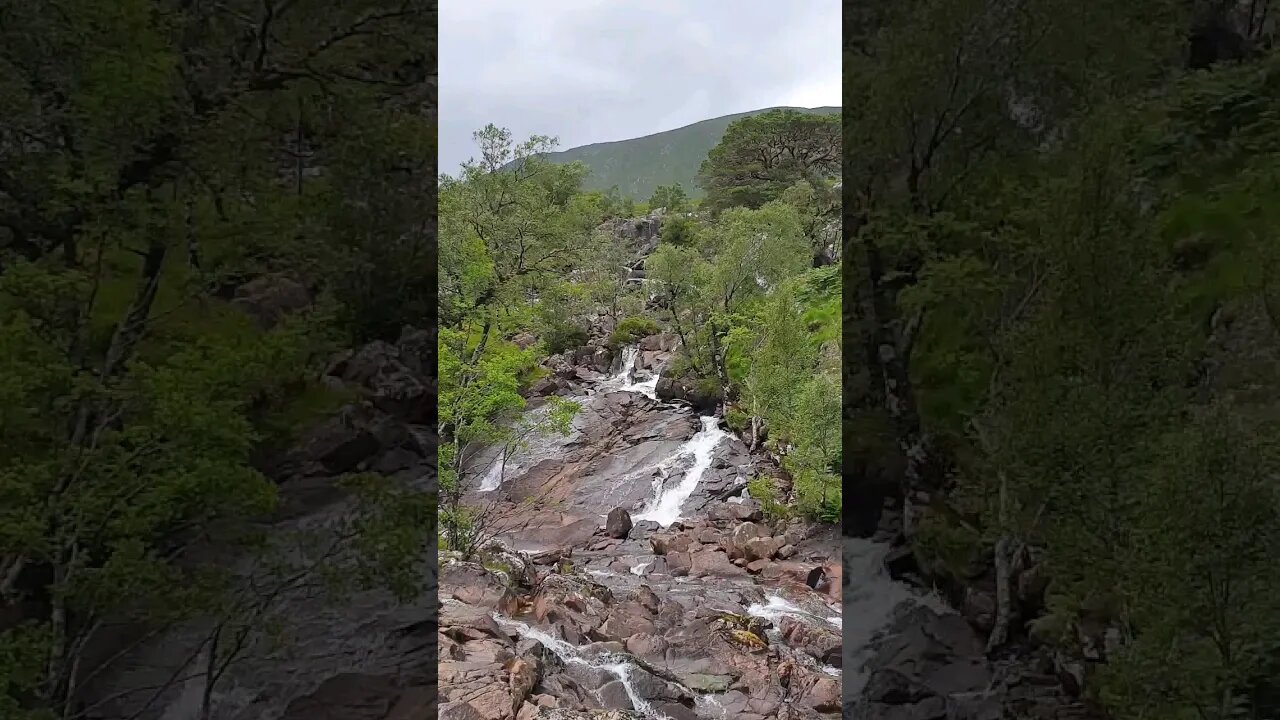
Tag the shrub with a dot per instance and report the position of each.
(631, 329)
(762, 490)
(564, 337)
(737, 419)
(679, 230)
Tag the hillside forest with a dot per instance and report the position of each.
(1063, 332)
(747, 278)
(200, 205)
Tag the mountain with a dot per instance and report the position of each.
(639, 165)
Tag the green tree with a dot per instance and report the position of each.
(154, 159)
(762, 155)
(671, 197)
(480, 408)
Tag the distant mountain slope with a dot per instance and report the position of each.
(639, 165)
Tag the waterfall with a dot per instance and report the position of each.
(629, 355)
(615, 665)
(664, 508)
(624, 380)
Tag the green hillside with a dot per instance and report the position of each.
(639, 165)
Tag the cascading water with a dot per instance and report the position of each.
(615, 665)
(627, 371)
(776, 606)
(664, 508)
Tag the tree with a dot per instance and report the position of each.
(480, 409)
(762, 155)
(154, 160)
(671, 197)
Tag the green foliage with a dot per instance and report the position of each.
(1080, 297)
(762, 490)
(637, 167)
(559, 338)
(633, 329)
(680, 230)
(671, 197)
(166, 159)
(762, 155)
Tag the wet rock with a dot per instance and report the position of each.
(354, 696)
(614, 696)
(357, 434)
(744, 533)
(391, 385)
(618, 524)
(708, 683)
(822, 644)
(546, 386)
(816, 578)
(677, 711)
(702, 396)
(714, 563)
(900, 562)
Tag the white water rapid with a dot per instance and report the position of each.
(628, 368)
(664, 508)
(776, 606)
(615, 665)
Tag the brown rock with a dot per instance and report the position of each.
(760, 548)
(618, 524)
(459, 711)
(824, 696)
(713, 563)
(742, 534)
(522, 675)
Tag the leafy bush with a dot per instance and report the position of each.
(632, 329)
(560, 338)
(762, 490)
(680, 230)
(737, 419)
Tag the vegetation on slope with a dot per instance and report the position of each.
(636, 167)
(522, 257)
(1064, 331)
(153, 158)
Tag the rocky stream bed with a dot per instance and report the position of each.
(635, 578)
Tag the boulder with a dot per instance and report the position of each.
(702, 396)
(760, 548)
(618, 524)
(390, 384)
(662, 342)
(270, 298)
(546, 386)
(356, 434)
(743, 534)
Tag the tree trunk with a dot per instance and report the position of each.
(886, 353)
(1004, 593)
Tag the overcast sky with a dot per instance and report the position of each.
(591, 71)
